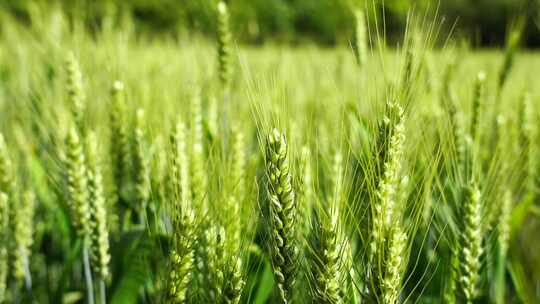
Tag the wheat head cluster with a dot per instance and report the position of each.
(183, 170)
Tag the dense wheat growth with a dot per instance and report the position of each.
(142, 169)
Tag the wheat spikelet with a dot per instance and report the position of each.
(471, 243)
(450, 284)
(238, 163)
(391, 284)
(387, 191)
(120, 147)
(199, 180)
(180, 165)
(282, 215)
(6, 169)
(99, 246)
(326, 261)
(234, 284)
(75, 90)
(140, 163)
(361, 45)
(23, 234)
(504, 222)
(224, 45)
(77, 184)
(305, 191)
(213, 257)
(3, 245)
(181, 259)
(477, 100)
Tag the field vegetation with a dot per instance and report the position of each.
(136, 169)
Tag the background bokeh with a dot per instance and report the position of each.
(328, 22)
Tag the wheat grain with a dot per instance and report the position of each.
(282, 215)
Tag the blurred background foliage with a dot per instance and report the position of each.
(327, 22)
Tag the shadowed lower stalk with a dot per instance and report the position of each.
(88, 273)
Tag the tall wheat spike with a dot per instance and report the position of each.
(282, 215)
(120, 147)
(75, 90)
(199, 179)
(471, 243)
(181, 259)
(23, 235)
(99, 246)
(3, 245)
(77, 184)
(477, 103)
(234, 283)
(391, 284)
(141, 165)
(361, 44)
(224, 45)
(327, 263)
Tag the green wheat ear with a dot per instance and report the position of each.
(23, 234)
(181, 259)
(282, 215)
(120, 147)
(234, 284)
(99, 247)
(75, 90)
(77, 184)
(7, 184)
(360, 37)
(141, 165)
(471, 243)
(3, 245)
(224, 45)
(391, 285)
(477, 103)
(198, 173)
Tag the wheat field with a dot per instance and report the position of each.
(136, 169)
